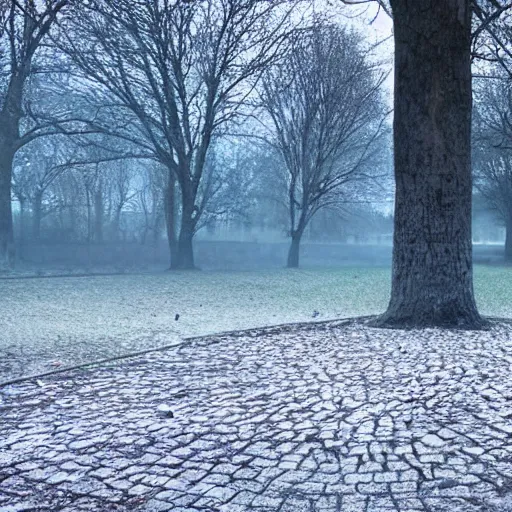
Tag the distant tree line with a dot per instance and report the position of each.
(60, 198)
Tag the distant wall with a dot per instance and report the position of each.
(221, 255)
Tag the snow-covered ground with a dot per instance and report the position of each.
(68, 320)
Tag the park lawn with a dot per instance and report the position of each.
(493, 290)
(76, 319)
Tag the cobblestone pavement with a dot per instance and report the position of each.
(333, 417)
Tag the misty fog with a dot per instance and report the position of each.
(255, 255)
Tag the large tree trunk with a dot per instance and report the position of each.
(432, 283)
(508, 242)
(185, 249)
(9, 137)
(170, 205)
(7, 251)
(294, 250)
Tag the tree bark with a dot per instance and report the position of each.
(508, 242)
(294, 251)
(432, 282)
(10, 116)
(185, 250)
(188, 221)
(7, 250)
(170, 218)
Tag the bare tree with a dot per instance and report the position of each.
(23, 26)
(493, 118)
(151, 201)
(68, 221)
(182, 70)
(492, 32)
(325, 109)
(229, 177)
(121, 192)
(35, 169)
(253, 188)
